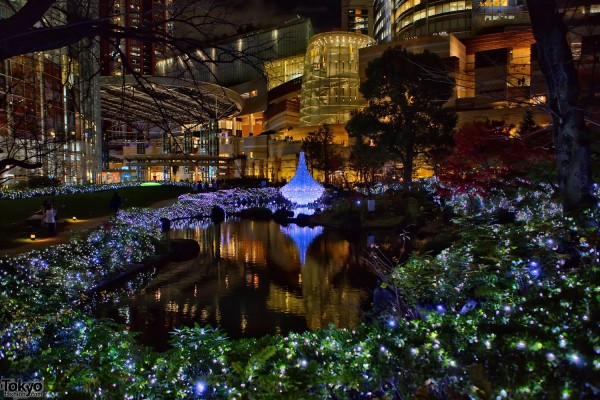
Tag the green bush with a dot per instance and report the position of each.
(508, 311)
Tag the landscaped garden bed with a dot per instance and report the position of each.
(509, 310)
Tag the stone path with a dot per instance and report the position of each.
(73, 228)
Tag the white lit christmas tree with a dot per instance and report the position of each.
(302, 189)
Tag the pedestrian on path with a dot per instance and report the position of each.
(50, 218)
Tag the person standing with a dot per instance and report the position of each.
(50, 218)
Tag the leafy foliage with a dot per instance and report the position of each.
(508, 311)
(404, 116)
(321, 152)
(488, 154)
(38, 181)
(367, 161)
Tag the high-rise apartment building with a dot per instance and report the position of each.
(357, 16)
(129, 55)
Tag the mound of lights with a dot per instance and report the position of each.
(302, 189)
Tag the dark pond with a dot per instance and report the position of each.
(251, 278)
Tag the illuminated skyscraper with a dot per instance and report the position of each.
(382, 25)
(357, 16)
(126, 55)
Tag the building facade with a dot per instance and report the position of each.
(49, 113)
(127, 55)
(242, 58)
(382, 27)
(331, 81)
(357, 16)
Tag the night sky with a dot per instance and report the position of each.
(324, 14)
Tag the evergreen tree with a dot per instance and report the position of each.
(528, 124)
(404, 116)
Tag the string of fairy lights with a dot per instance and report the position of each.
(510, 310)
(8, 192)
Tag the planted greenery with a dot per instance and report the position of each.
(508, 311)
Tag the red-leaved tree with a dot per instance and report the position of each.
(490, 155)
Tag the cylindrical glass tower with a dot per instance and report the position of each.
(330, 82)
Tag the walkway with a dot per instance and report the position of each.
(73, 228)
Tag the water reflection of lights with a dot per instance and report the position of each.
(280, 300)
(255, 281)
(172, 307)
(218, 315)
(303, 210)
(125, 313)
(302, 236)
(244, 323)
(275, 294)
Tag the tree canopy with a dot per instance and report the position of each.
(321, 152)
(405, 115)
(490, 154)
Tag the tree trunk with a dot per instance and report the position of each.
(409, 157)
(571, 137)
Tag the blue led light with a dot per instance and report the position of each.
(302, 189)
